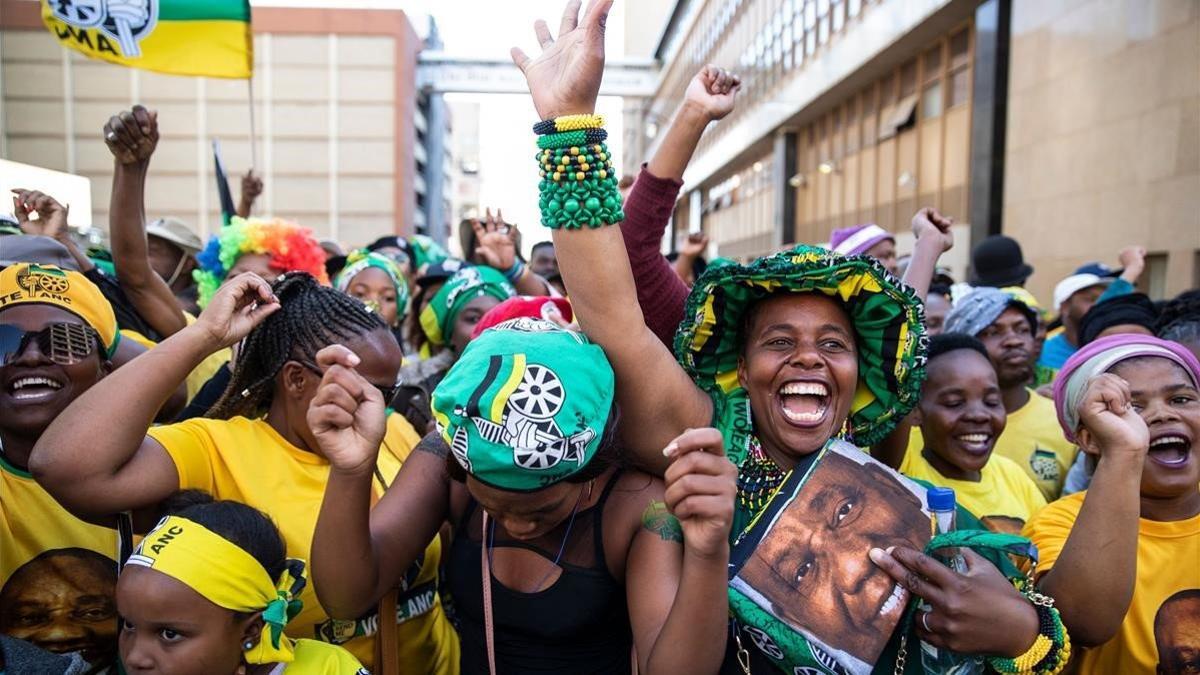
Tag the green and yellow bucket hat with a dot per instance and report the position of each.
(888, 322)
(526, 405)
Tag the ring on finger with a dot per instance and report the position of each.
(925, 621)
(112, 136)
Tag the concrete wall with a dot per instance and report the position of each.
(1103, 146)
(334, 111)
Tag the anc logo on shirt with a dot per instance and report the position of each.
(1044, 464)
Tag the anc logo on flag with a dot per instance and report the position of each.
(125, 21)
(211, 38)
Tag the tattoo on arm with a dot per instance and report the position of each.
(434, 445)
(657, 519)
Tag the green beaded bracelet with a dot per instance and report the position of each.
(568, 139)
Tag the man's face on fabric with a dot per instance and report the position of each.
(1177, 634)
(63, 603)
(813, 566)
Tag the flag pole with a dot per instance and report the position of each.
(253, 132)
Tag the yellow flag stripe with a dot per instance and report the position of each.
(217, 48)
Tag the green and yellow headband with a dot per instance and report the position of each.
(438, 317)
(362, 259)
(887, 318)
(526, 405)
(228, 577)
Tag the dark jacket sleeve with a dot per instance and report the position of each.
(660, 292)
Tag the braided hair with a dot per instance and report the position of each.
(310, 318)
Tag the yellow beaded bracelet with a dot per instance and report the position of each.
(576, 122)
(1041, 647)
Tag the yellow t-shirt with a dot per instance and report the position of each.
(247, 461)
(1032, 439)
(58, 574)
(1004, 499)
(314, 657)
(1168, 563)
(207, 368)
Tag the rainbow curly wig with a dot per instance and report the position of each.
(291, 247)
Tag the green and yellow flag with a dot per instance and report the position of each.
(181, 37)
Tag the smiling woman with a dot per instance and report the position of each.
(57, 572)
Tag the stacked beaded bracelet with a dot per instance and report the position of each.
(569, 123)
(578, 185)
(1050, 651)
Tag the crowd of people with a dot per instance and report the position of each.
(596, 460)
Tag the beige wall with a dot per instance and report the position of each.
(333, 108)
(1103, 145)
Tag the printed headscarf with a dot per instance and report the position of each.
(292, 249)
(425, 251)
(31, 283)
(887, 318)
(1101, 356)
(438, 317)
(526, 405)
(227, 576)
(981, 307)
(362, 259)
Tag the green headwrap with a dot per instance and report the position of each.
(425, 251)
(438, 317)
(362, 259)
(526, 405)
(887, 318)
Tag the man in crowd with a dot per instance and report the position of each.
(172, 247)
(997, 262)
(1075, 295)
(870, 240)
(1031, 438)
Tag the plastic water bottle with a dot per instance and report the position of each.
(935, 659)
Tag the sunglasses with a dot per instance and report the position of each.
(388, 392)
(64, 343)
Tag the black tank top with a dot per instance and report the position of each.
(578, 625)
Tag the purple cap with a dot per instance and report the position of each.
(857, 239)
(1101, 355)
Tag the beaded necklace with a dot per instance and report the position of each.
(758, 478)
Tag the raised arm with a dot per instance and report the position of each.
(934, 238)
(51, 222)
(347, 417)
(252, 187)
(496, 247)
(658, 401)
(95, 458)
(132, 136)
(661, 291)
(1093, 578)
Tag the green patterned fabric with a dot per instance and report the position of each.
(425, 251)
(888, 322)
(526, 405)
(438, 317)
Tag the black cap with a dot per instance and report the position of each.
(997, 261)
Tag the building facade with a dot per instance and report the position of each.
(344, 142)
(1026, 117)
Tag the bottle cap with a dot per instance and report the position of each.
(940, 499)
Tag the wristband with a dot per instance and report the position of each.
(569, 123)
(567, 139)
(513, 273)
(578, 185)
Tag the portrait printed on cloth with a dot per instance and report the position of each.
(810, 568)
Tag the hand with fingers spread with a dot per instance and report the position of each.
(132, 135)
(52, 216)
(496, 242)
(928, 223)
(1109, 423)
(347, 416)
(712, 91)
(238, 306)
(701, 485)
(565, 78)
(976, 612)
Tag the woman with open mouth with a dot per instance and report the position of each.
(1121, 557)
(783, 355)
